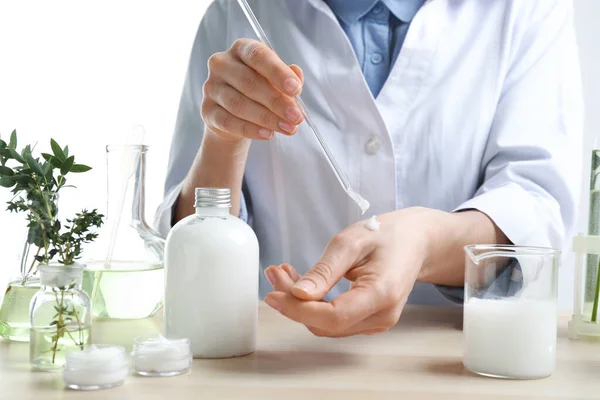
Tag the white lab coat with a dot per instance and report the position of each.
(482, 110)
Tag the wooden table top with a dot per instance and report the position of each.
(419, 359)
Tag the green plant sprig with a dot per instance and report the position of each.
(35, 184)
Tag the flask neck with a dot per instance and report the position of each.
(212, 211)
(126, 166)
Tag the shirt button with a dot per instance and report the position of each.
(378, 8)
(373, 145)
(376, 58)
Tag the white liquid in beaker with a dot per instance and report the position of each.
(510, 338)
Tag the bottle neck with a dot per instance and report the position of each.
(212, 211)
(61, 276)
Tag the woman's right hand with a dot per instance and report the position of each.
(250, 93)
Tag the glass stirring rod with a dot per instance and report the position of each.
(354, 195)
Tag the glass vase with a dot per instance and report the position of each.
(14, 311)
(60, 316)
(125, 277)
(585, 323)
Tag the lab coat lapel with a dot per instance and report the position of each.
(412, 67)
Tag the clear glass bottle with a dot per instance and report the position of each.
(585, 323)
(125, 278)
(211, 290)
(14, 311)
(60, 316)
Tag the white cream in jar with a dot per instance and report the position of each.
(155, 355)
(96, 367)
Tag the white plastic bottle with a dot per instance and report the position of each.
(211, 287)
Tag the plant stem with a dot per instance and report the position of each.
(597, 294)
(58, 324)
(31, 266)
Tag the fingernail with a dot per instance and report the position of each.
(293, 114)
(291, 85)
(265, 133)
(306, 286)
(271, 277)
(287, 127)
(273, 303)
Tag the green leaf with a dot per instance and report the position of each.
(52, 160)
(53, 323)
(77, 168)
(47, 169)
(13, 140)
(2, 144)
(66, 167)
(22, 179)
(33, 164)
(66, 151)
(58, 152)
(4, 152)
(6, 171)
(16, 155)
(7, 182)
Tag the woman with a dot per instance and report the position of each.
(460, 121)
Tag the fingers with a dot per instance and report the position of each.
(336, 317)
(375, 324)
(291, 272)
(264, 61)
(248, 110)
(255, 87)
(222, 121)
(249, 82)
(344, 251)
(298, 71)
(280, 278)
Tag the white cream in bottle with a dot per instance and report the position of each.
(211, 290)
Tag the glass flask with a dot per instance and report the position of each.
(125, 277)
(510, 311)
(60, 316)
(14, 311)
(585, 323)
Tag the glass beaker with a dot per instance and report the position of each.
(125, 279)
(510, 311)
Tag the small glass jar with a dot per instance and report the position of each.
(96, 367)
(155, 355)
(60, 316)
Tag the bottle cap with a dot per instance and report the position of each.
(213, 197)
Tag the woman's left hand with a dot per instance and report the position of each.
(382, 266)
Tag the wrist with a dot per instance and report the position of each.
(437, 235)
(223, 144)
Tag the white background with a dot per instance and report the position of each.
(85, 72)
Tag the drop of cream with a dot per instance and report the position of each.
(372, 224)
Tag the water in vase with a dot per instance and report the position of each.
(14, 312)
(46, 354)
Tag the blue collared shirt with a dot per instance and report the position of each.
(376, 29)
